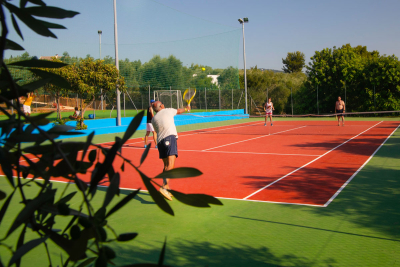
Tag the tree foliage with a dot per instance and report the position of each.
(91, 77)
(354, 74)
(276, 85)
(294, 62)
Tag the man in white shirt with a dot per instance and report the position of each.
(164, 125)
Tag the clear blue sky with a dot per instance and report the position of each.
(274, 29)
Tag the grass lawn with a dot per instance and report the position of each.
(361, 227)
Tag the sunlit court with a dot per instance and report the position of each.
(199, 133)
(291, 162)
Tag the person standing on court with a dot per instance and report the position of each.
(340, 108)
(149, 126)
(268, 108)
(27, 104)
(164, 125)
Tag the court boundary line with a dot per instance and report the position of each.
(235, 152)
(258, 122)
(141, 141)
(359, 169)
(305, 165)
(264, 201)
(252, 138)
(277, 202)
(252, 123)
(144, 190)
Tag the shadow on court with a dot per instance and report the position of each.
(319, 229)
(191, 253)
(371, 200)
(126, 192)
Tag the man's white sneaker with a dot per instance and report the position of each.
(165, 193)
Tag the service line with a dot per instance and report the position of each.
(283, 177)
(253, 138)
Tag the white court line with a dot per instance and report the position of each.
(359, 169)
(143, 190)
(283, 177)
(234, 152)
(274, 202)
(253, 138)
(204, 132)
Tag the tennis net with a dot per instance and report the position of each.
(224, 123)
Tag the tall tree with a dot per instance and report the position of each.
(294, 62)
(57, 89)
(94, 77)
(352, 73)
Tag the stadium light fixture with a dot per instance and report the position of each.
(243, 21)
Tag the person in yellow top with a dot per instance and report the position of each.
(27, 104)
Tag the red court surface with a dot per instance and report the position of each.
(298, 162)
(242, 162)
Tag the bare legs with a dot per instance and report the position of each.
(338, 120)
(147, 135)
(169, 164)
(266, 119)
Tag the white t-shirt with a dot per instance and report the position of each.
(164, 124)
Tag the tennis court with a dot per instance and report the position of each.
(305, 162)
(292, 162)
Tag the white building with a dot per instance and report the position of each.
(214, 78)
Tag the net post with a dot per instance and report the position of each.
(251, 105)
(101, 99)
(205, 97)
(199, 98)
(232, 98)
(374, 101)
(94, 107)
(124, 104)
(317, 101)
(291, 98)
(170, 89)
(219, 98)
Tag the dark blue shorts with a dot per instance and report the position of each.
(340, 111)
(168, 147)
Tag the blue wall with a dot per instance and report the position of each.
(107, 126)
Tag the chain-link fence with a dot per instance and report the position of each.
(287, 100)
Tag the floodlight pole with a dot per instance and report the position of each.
(99, 32)
(101, 90)
(243, 21)
(116, 63)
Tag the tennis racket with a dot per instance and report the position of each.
(188, 95)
